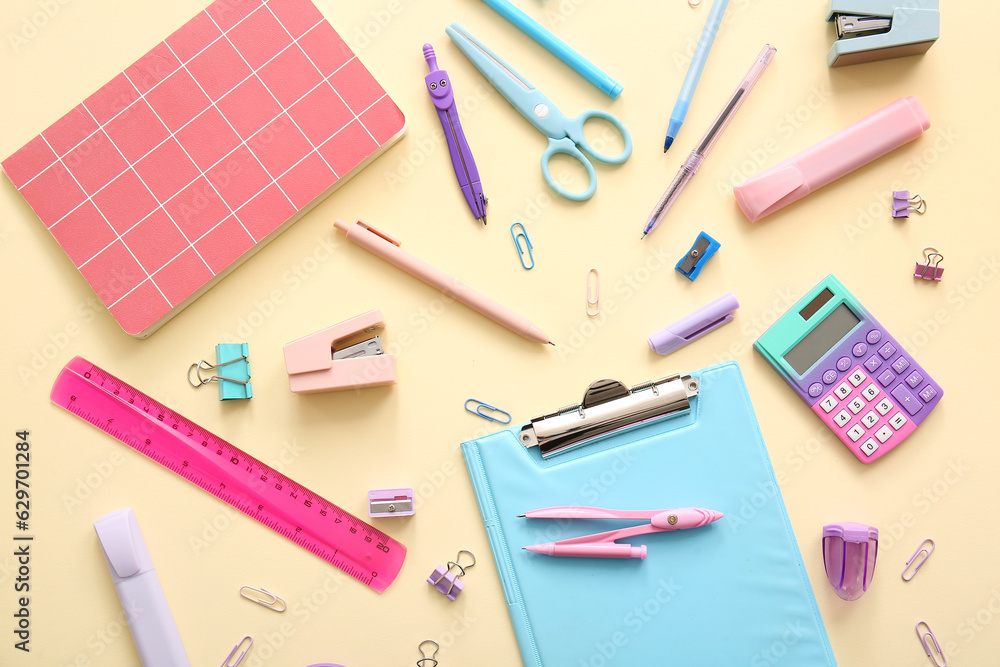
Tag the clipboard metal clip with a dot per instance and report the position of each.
(608, 408)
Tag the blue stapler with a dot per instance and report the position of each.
(869, 30)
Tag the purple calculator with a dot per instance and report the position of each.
(850, 370)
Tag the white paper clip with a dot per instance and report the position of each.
(593, 293)
(264, 598)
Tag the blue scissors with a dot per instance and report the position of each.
(565, 134)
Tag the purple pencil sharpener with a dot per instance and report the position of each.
(849, 552)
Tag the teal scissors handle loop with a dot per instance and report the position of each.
(574, 130)
(567, 146)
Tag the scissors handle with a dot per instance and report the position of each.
(567, 146)
(574, 130)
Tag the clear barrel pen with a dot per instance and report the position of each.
(698, 155)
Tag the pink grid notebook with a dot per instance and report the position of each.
(203, 150)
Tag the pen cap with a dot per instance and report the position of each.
(849, 553)
(854, 146)
(694, 326)
(122, 544)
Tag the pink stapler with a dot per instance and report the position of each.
(344, 356)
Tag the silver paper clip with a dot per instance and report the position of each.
(261, 596)
(913, 559)
(522, 251)
(930, 268)
(427, 660)
(228, 662)
(924, 636)
(480, 406)
(593, 293)
(447, 582)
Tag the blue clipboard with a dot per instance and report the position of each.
(734, 592)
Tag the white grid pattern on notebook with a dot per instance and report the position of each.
(202, 173)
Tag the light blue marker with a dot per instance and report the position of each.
(559, 48)
(694, 70)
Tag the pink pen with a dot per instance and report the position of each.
(382, 245)
(603, 545)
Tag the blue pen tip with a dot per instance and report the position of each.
(666, 143)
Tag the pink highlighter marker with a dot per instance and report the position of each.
(839, 154)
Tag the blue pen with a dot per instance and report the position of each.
(557, 47)
(694, 70)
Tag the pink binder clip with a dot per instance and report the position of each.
(930, 268)
(903, 203)
(344, 356)
(446, 581)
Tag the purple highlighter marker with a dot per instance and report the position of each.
(695, 325)
(439, 86)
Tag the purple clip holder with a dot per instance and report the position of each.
(446, 582)
(849, 553)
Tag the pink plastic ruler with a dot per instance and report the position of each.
(228, 473)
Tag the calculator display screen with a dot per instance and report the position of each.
(819, 341)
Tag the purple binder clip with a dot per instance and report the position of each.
(849, 552)
(903, 203)
(447, 581)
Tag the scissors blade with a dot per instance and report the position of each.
(503, 77)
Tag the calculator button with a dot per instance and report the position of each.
(886, 378)
(844, 364)
(870, 419)
(828, 404)
(857, 377)
(884, 433)
(843, 391)
(873, 336)
(884, 406)
(870, 392)
(897, 421)
(873, 363)
(928, 393)
(887, 350)
(900, 365)
(906, 399)
(914, 378)
(856, 405)
(815, 389)
(869, 446)
(855, 432)
(829, 376)
(859, 350)
(841, 418)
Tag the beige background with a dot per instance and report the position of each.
(941, 484)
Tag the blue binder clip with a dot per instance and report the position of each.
(232, 371)
(692, 263)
